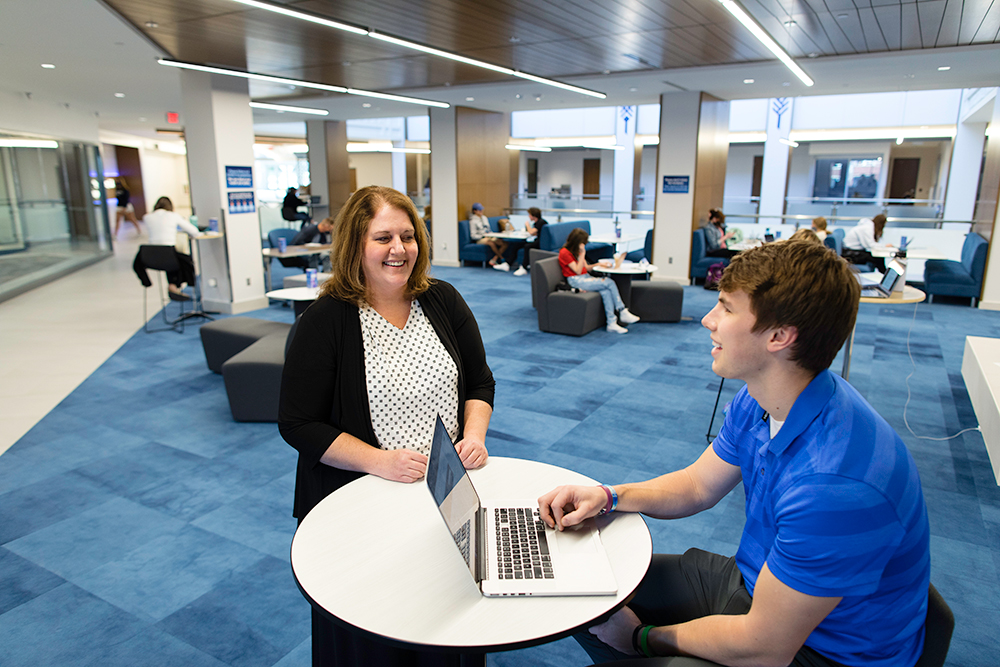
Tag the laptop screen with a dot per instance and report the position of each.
(453, 493)
(889, 280)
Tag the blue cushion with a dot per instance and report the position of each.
(964, 278)
(468, 251)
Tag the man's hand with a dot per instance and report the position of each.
(472, 452)
(402, 465)
(568, 506)
(617, 631)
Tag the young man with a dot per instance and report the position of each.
(479, 226)
(833, 566)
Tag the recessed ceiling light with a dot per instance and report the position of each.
(789, 24)
(785, 83)
(367, 105)
(633, 89)
(899, 140)
(517, 96)
(346, 63)
(514, 40)
(151, 24)
(747, 80)
(944, 68)
(142, 119)
(842, 16)
(813, 55)
(119, 94)
(538, 98)
(470, 99)
(48, 66)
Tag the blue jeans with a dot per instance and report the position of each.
(607, 289)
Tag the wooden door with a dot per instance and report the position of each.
(903, 183)
(591, 178)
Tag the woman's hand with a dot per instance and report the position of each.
(472, 452)
(567, 506)
(401, 465)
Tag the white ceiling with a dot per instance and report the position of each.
(97, 55)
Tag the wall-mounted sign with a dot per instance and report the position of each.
(173, 117)
(241, 202)
(239, 177)
(676, 184)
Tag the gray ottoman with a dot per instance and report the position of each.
(657, 301)
(224, 338)
(253, 379)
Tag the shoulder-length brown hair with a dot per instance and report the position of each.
(575, 238)
(350, 234)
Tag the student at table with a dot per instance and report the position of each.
(382, 351)
(317, 233)
(479, 226)
(575, 268)
(861, 239)
(819, 228)
(534, 227)
(716, 235)
(290, 207)
(162, 225)
(833, 566)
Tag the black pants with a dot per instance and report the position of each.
(864, 257)
(722, 252)
(681, 588)
(185, 275)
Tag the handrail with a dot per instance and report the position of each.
(937, 223)
(587, 211)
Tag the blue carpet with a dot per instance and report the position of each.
(140, 525)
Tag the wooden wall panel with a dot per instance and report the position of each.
(713, 150)
(482, 163)
(340, 177)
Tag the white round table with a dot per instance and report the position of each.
(376, 556)
(300, 297)
(623, 276)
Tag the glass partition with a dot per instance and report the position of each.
(53, 212)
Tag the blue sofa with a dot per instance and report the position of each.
(963, 278)
(699, 260)
(646, 252)
(835, 241)
(469, 250)
(554, 235)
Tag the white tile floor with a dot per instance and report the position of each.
(53, 337)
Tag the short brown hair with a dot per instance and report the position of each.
(535, 212)
(800, 284)
(819, 223)
(804, 234)
(164, 203)
(575, 238)
(717, 214)
(350, 235)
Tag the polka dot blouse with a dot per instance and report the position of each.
(411, 379)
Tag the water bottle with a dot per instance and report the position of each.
(213, 224)
(311, 278)
(618, 229)
(282, 244)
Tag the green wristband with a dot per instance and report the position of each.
(644, 641)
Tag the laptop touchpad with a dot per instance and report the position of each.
(575, 542)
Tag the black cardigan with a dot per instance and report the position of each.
(323, 388)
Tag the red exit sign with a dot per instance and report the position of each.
(173, 117)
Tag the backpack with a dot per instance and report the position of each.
(714, 275)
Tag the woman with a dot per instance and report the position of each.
(163, 225)
(819, 228)
(574, 265)
(381, 335)
(716, 235)
(861, 239)
(125, 210)
(479, 227)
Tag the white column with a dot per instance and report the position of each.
(399, 168)
(963, 174)
(676, 160)
(774, 177)
(444, 186)
(624, 159)
(218, 130)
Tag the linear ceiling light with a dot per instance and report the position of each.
(291, 109)
(788, 142)
(765, 39)
(537, 149)
(314, 18)
(297, 82)
(28, 143)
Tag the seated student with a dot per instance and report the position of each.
(716, 235)
(534, 227)
(805, 235)
(819, 228)
(833, 567)
(573, 261)
(318, 233)
(861, 239)
(162, 225)
(290, 207)
(479, 226)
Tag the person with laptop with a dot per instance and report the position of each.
(833, 566)
(861, 239)
(716, 235)
(382, 352)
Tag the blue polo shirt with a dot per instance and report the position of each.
(834, 507)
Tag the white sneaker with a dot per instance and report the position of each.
(521, 271)
(614, 327)
(502, 267)
(627, 317)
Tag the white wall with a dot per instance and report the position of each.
(566, 167)
(372, 168)
(647, 177)
(739, 168)
(50, 119)
(165, 175)
(596, 121)
(801, 172)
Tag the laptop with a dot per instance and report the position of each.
(507, 548)
(882, 290)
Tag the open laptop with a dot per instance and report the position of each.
(882, 290)
(506, 546)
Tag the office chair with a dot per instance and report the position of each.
(160, 258)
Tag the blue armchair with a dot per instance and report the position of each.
(554, 235)
(646, 252)
(963, 278)
(699, 260)
(835, 241)
(469, 250)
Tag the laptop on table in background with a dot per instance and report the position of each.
(506, 546)
(882, 290)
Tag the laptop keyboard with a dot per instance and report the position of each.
(462, 538)
(523, 548)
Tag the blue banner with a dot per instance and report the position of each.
(239, 177)
(676, 184)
